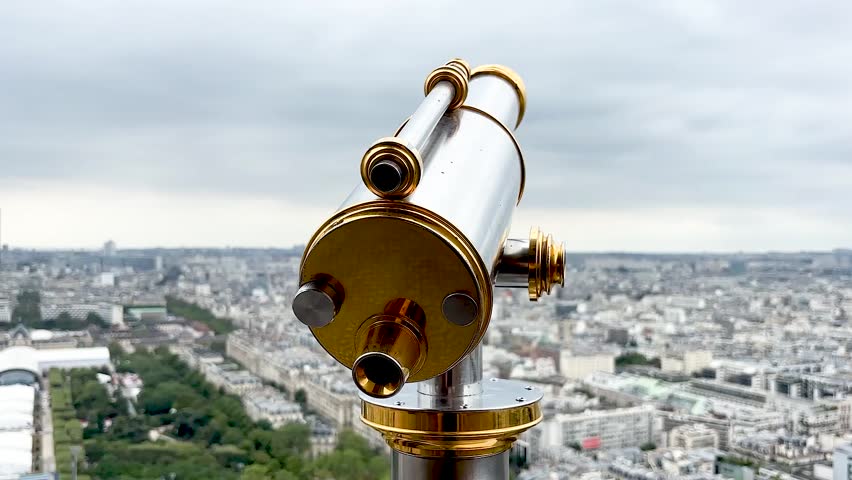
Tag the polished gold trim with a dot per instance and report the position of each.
(547, 265)
(405, 156)
(459, 433)
(462, 63)
(514, 140)
(510, 76)
(400, 341)
(457, 72)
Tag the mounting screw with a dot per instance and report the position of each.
(399, 404)
(494, 379)
(465, 406)
(520, 399)
(460, 309)
(528, 387)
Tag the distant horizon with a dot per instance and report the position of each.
(119, 248)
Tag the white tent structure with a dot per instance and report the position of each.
(38, 361)
(17, 403)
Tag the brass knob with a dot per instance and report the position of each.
(547, 264)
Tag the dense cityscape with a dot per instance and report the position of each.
(182, 363)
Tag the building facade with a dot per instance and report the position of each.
(843, 462)
(690, 437)
(601, 429)
(578, 366)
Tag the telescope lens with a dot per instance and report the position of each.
(378, 374)
(386, 175)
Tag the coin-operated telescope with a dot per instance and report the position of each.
(398, 285)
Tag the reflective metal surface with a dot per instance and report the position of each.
(397, 154)
(409, 467)
(471, 182)
(391, 348)
(488, 91)
(462, 380)
(381, 251)
(423, 121)
(459, 308)
(465, 426)
(513, 271)
(472, 178)
(497, 394)
(536, 264)
(378, 374)
(547, 264)
(315, 304)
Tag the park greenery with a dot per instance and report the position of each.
(202, 432)
(193, 312)
(67, 429)
(28, 312)
(633, 358)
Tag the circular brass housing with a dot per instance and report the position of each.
(404, 157)
(379, 251)
(510, 76)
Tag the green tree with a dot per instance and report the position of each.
(155, 402)
(28, 308)
(132, 429)
(301, 397)
(633, 358)
(92, 318)
(292, 439)
(285, 475)
(191, 311)
(254, 472)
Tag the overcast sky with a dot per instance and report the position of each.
(651, 126)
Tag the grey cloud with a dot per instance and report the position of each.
(630, 104)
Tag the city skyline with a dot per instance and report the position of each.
(717, 126)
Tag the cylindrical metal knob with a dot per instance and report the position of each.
(460, 309)
(317, 302)
(536, 264)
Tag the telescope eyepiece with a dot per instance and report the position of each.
(392, 347)
(386, 175)
(378, 374)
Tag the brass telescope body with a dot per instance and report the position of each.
(398, 284)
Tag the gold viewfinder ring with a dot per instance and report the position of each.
(454, 73)
(510, 76)
(406, 158)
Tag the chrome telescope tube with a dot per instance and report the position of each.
(398, 284)
(423, 121)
